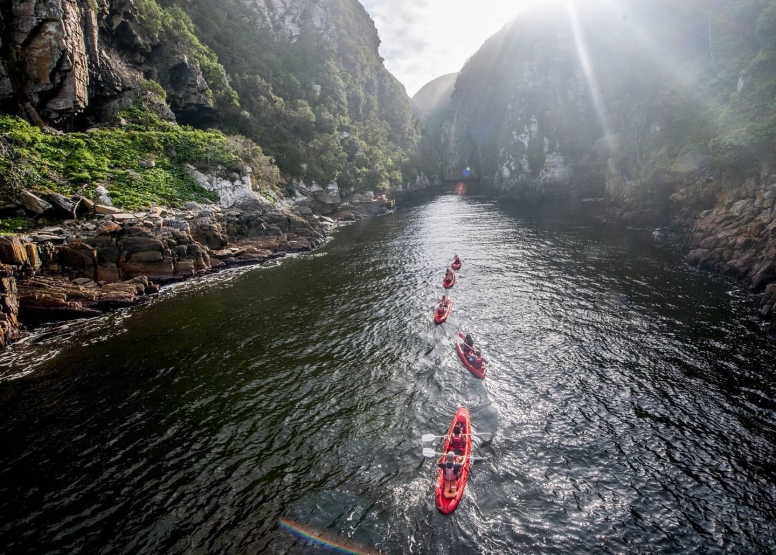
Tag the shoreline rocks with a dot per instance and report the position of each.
(114, 258)
(727, 220)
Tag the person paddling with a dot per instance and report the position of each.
(456, 260)
(449, 275)
(473, 355)
(458, 440)
(443, 304)
(451, 470)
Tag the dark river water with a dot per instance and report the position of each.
(633, 401)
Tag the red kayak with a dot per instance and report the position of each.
(439, 318)
(478, 371)
(445, 505)
(456, 265)
(449, 284)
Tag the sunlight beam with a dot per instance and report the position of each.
(588, 70)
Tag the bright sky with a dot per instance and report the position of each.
(423, 39)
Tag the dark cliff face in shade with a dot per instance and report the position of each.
(665, 108)
(76, 62)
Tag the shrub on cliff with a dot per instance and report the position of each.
(120, 159)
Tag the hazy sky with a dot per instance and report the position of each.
(423, 39)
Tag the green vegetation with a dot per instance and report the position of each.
(11, 226)
(151, 86)
(321, 104)
(119, 158)
(173, 28)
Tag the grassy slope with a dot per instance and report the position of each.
(74, 163)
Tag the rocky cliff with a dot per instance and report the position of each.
(104, 258)
(665, 108)
(313, 90)
(303, 79)
(77, 62)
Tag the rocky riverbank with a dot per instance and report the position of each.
(727, 220)
(109, 258)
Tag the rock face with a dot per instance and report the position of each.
(737, 235)
(63, 59)
(289, 17)
(523, 119)
(9, 306)
(236, 192)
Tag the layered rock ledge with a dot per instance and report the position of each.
(110, 258)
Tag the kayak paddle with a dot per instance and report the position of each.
(430, 454)
(425, 438)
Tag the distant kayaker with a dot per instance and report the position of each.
(442, 304)
(451, 470)
(456, 260)
(449, 275)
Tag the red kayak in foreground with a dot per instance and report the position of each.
(444, 504)
(449, 284)
(478, 371)
(439, 318)
(456, 265)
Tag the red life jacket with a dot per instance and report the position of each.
(456, 442)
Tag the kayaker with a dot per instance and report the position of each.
(451, 470)
(456, 260)
(449, 275)
(468, 342)
(473, 355)
(442, 303)
(457, 440)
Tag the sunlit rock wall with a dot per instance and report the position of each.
(523, 117)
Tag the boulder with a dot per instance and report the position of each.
(107, 228)
(86, 203)
(12, 251)
(34, 204)
(764, 274)
(124, 218)
(79, 258)
(44, 238)
(61, 202)
(106, 209)
(103, 197)
(32, 256)
(695, 257)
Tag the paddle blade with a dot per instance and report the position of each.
(425, 438)
(429, 453)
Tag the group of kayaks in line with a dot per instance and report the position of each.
(457, 453)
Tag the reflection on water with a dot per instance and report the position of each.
(633, 401)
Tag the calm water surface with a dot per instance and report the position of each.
(633, 402)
